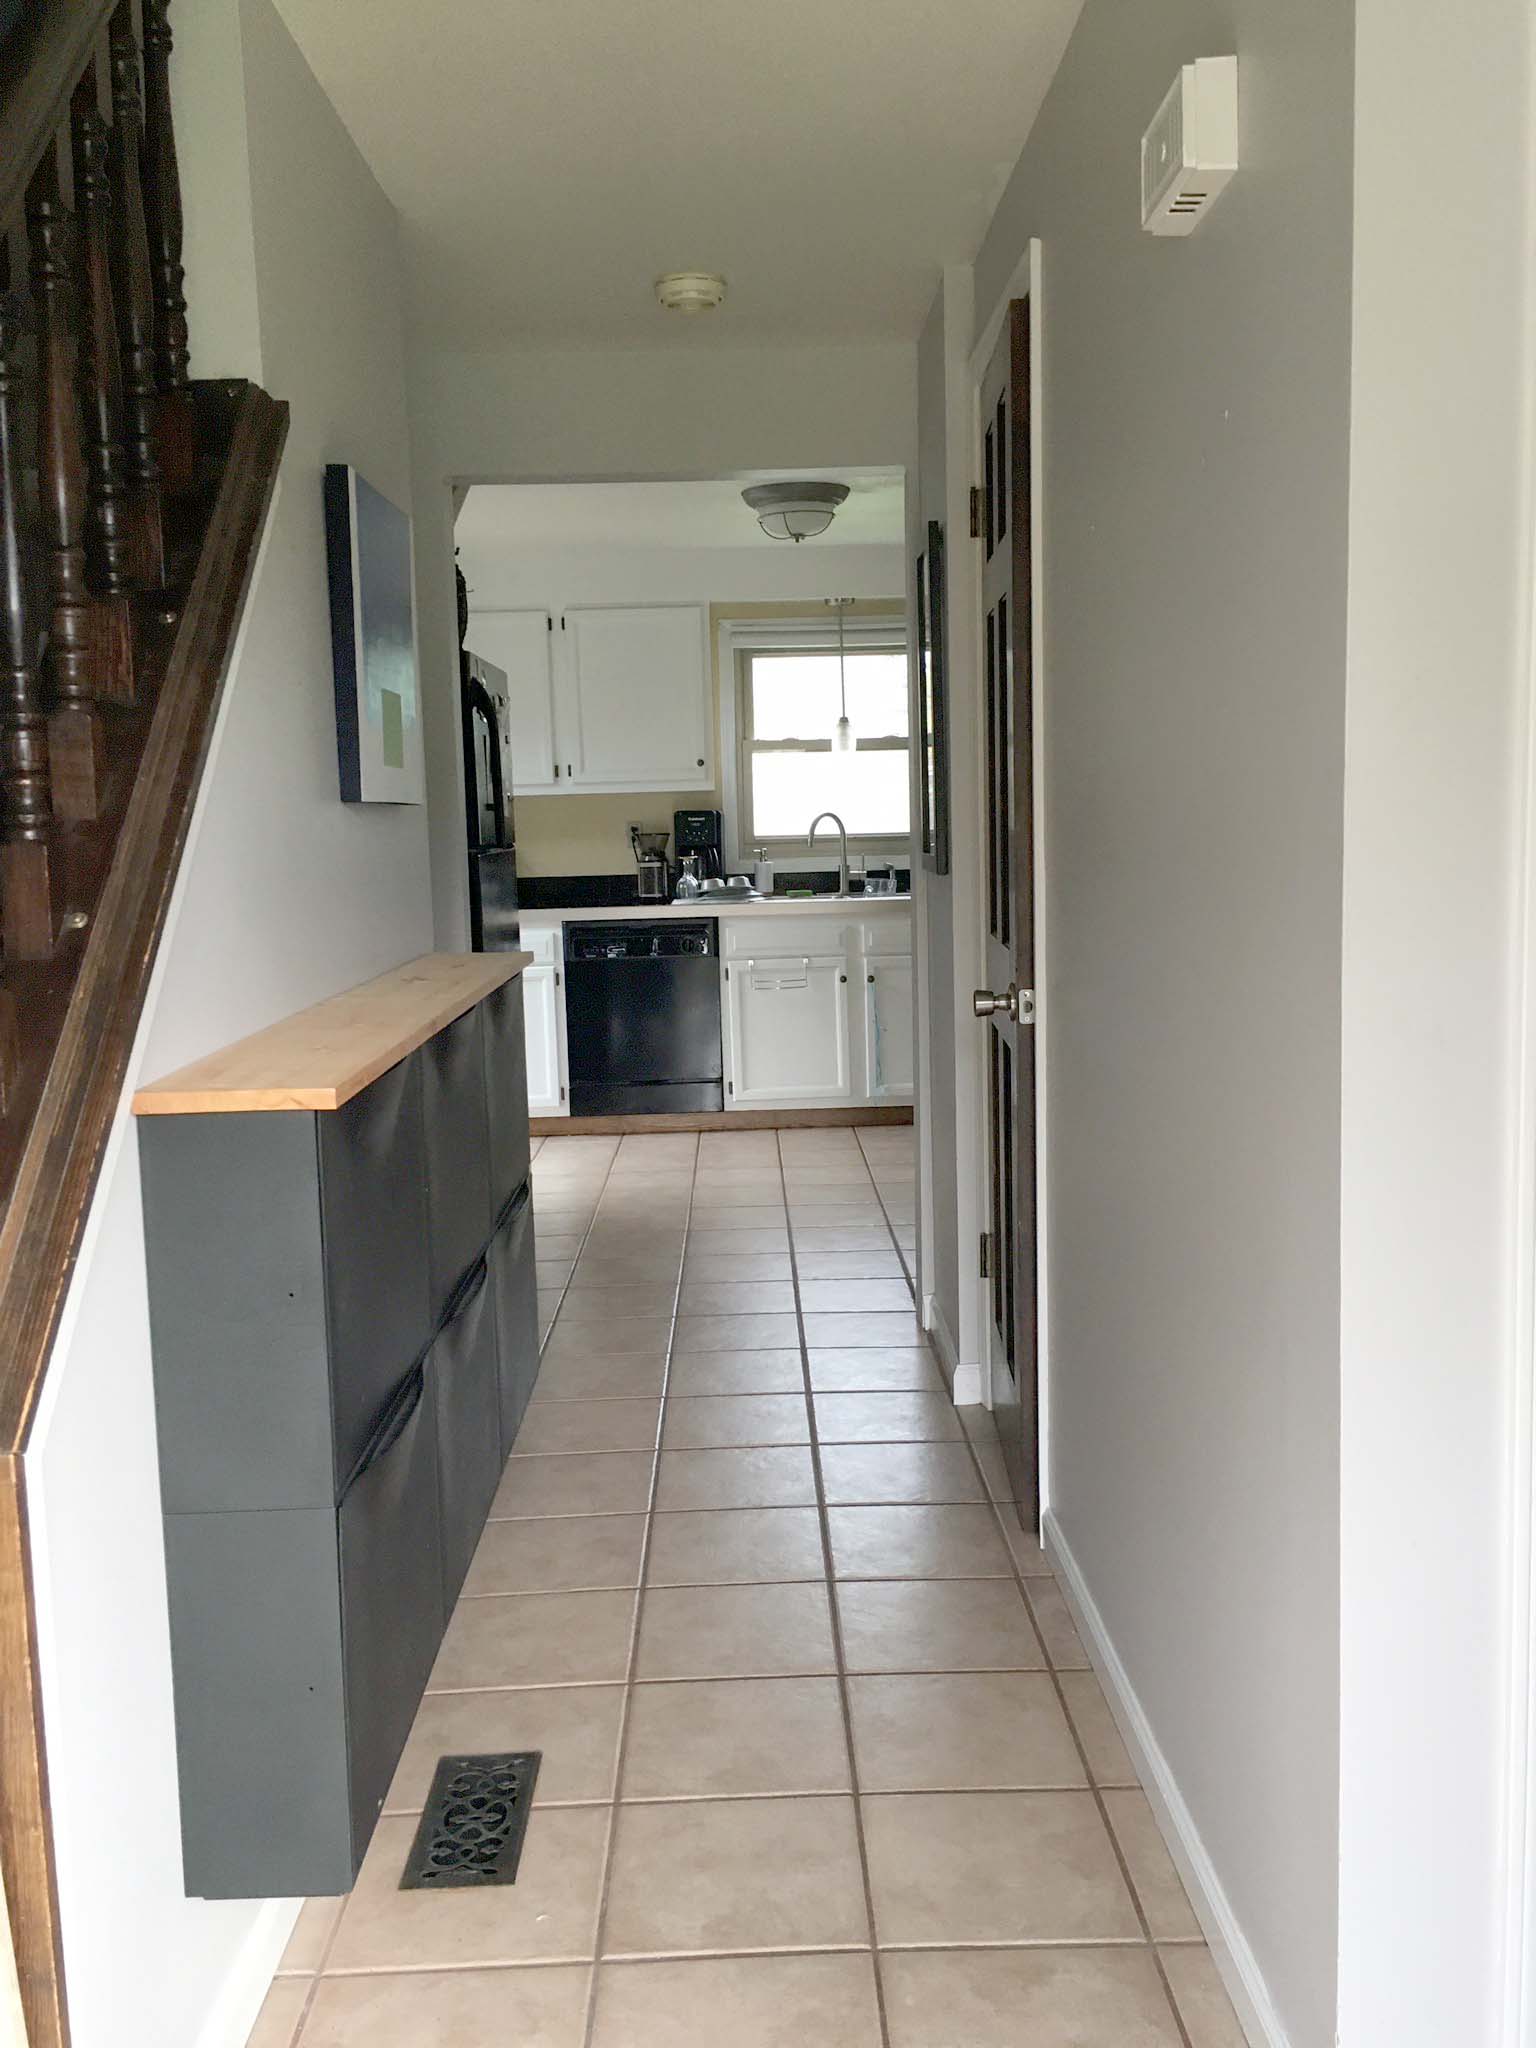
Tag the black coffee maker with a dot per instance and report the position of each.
(700, 832)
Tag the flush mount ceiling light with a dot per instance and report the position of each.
(690, 291)
(795, 511)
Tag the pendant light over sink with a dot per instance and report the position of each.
(843, 741)
(795, 511)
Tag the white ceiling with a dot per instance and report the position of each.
(549, 157)
(498, 520)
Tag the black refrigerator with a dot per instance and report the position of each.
(488, 806)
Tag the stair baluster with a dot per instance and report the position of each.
(133, 293)
(28, 872)
(162, 211)
(108, 529)
(75, 633)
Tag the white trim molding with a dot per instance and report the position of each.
(1230, 1949)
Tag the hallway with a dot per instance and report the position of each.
(975, 1868)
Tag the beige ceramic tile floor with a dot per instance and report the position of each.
(824, 1761)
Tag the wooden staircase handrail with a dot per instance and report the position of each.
(44, 56)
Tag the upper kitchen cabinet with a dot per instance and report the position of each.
(520, 644)
(635, 714)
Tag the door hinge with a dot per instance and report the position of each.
(727, 974)
(549, 622)
(557, 977)
(975, 511)
(985, 1255)
(557, 771)
(730, 1087)
(562, 1093)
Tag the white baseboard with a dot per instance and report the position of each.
(240, 1999)
(964, 1380)
(1229, 1946)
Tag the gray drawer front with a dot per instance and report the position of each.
(260, 1727)
(461, 1372)
(392, 1611)
(506, 1089)
(457, 1151)
(514, 1284)
(373, 1204)
(237, 1308)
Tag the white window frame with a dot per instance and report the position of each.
(741, 639)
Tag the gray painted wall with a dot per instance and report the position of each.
(1196, 435)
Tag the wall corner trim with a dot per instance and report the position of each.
(244, 1990)
(1230, 1950)
(964, 1380)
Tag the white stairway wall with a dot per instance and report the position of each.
(285, 895)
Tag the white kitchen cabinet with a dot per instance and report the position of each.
(887, 1035)
(635, 705)
(788, 1031)
(519, 643)
(544, 1022)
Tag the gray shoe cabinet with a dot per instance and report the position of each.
(342, 1295)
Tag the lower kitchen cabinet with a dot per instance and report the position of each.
(544, 1023)
(885, 1005)
(816, 1012)
(329, 1449)
(788, 1024)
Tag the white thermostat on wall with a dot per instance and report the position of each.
(1189, 153)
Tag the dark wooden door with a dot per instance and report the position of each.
(1006, 1005)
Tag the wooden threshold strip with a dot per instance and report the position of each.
(714, 1120)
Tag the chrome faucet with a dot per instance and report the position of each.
(842, 841)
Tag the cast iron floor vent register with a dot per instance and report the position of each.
(473, 1825)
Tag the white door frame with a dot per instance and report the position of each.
(1024, 283)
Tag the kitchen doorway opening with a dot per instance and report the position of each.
(690, 792)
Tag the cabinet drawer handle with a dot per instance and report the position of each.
(392, 1424)
(466, 1291)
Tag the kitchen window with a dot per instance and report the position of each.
(787, 703)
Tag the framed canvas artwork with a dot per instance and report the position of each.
(373, 643)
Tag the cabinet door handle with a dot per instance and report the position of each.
(870, 979)
(842, 977)
(392, 1424)
(700, 761)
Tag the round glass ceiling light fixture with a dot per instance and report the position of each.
(795, 511)
(690, 291)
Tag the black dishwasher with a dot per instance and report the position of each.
(642, 1017)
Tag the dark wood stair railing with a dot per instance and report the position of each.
(132, 500)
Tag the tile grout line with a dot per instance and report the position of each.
(1095, 1789)
(835, 1618)
(627, 1701)
(1148, 1940)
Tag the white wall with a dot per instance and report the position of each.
(528, 416)
(285, 895)
(1436, 739)
(1196, 417)
(549, 578)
